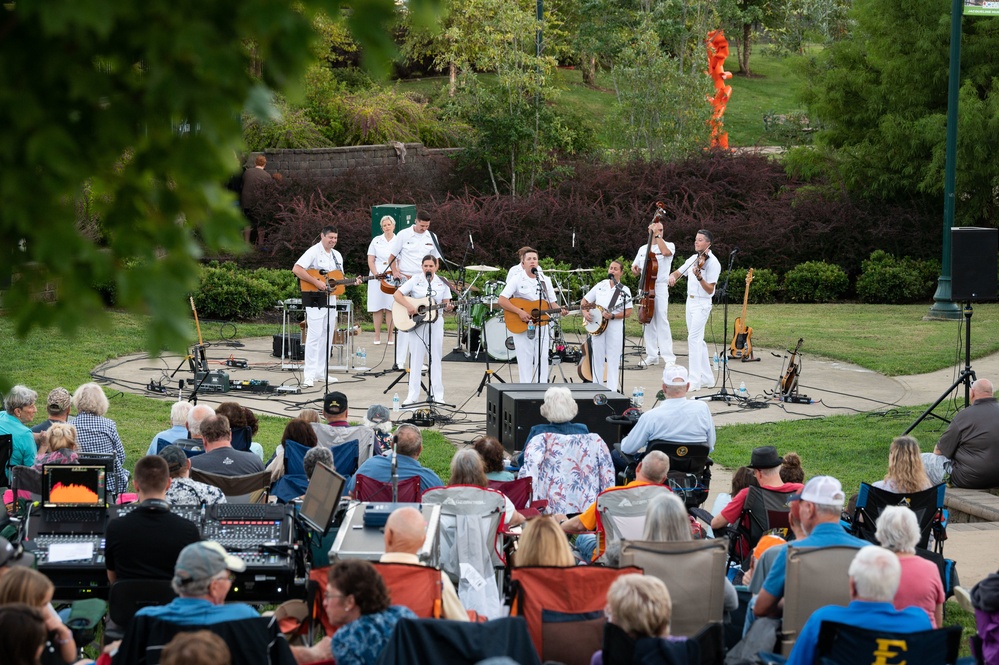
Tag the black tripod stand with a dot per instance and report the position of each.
(967, 375)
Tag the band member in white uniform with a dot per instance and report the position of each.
(408, 249)
(379, 302)
(607, 345)
(426, 335)
(700, 287)
(658, 336)
(530, 284)
(320, 256)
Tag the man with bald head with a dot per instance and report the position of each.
(405, 532)
(969, 447)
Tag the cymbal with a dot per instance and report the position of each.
(573, 270)
(482, 268)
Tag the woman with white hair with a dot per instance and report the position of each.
(19, 409)
(97, 434)
(379, 302)
(920, 586)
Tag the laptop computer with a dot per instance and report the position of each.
(322, 498)
(74, 492)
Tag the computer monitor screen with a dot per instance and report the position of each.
(73, 486)
(322, 497)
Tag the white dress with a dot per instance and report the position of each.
(381, 249)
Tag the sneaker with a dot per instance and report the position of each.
(308, 383)
(648, 361)
(330, 378)
(963, 599)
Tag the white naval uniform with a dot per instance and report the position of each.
(607, 345)
(409, 248)
(658, 336)
(520, 285)
(700, 373)
(424, 334)
(317, 258)
(381, 249)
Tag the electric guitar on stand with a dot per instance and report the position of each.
(742, 342)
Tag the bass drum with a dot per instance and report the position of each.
(496, 336)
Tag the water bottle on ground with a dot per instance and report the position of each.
(395, 402)
(742, 390)
(634, 396)
(641, 396)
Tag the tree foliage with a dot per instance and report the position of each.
(130, 112)
(882, 99)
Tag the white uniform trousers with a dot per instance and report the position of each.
(417, 338)
(607, 352)
(527, 355)
(402, 348)
(700, 371)
(315, 340)
(658, 336)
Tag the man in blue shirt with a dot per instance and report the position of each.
(409, 445)
(874, 577)
(676, 419)
(178, 427)
(819, 508)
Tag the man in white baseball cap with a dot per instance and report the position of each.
(675, 419)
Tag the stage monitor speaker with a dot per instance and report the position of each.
(973, 264)
(293, 348)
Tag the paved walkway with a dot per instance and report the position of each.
(836, 387)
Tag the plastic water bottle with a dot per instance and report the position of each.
(641, 396)
(364, 357)
(742, 390)
(530, 330)
(716, 363)
(395, 402)
(634, 396)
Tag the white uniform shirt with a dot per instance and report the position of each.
(410, 247)
(709, 273)
(381, 249)
(602, 293)
(519, 285)
(417, 287)
(664, 261)
(317, 258)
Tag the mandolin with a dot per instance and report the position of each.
(742, 344)
(335, 281)
(789, 382)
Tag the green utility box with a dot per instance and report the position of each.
(404, 215)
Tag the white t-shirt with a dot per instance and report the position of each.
(410, 247)
(664, 261)
(709, 273)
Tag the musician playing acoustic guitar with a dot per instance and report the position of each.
(702, 271)
(319, 257)
(428, 335)
(658, 336)
(613, 305)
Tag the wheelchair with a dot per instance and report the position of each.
(689, 469)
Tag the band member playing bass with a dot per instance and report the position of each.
(525, 287)
(658, 336)
(613, 306)
(429, 334)
(702, 271)
(408, 249)
(319, 257)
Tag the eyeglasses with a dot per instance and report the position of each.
(228, 577)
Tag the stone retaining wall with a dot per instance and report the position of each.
(330, 162)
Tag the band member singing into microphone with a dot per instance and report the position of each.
(702, 271)
(528, 284)
(323, 257)
(425, 335)
(614, 300)
(658, 336)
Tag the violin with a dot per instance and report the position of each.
(650, 272)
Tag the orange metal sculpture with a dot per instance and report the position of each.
(717, 47)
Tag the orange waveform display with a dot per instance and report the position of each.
(71, 493)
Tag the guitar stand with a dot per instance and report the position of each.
(489, 374)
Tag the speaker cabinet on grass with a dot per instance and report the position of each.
(973, 263)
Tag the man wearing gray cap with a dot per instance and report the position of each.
(676, 419)
(57, 406)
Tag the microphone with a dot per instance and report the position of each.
(610, 276)
(534, 271)
(735, 251)
(429, 275)
(574, 238)
(323, 272)
(470, 240)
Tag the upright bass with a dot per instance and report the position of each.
(650, 272)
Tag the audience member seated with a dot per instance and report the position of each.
(200, 647)
(337, 430)
(568, 469)
(310, 416)
(144, 544)
(920, 586)
(969, 449)
(754, 576)
(183, 491)
(251, 420)
(543, 543)
(641, 608)
(676, 419)
(356, 601)
(62, 447)
(57, 405)
(651, 470)
(19, 409)
(405, 533)
(742, 478)
(820, 504)
(559, 411)
(97, 434)
(467, 468)
(314, 456)
(491, 452)
(195, 418)
(408, 448)
(766, 466)
(22, 634)
(380, 421)
(238, 422)
(985, 601)
(791, 470)
(874, 579)
(30, 587)
(298, 431)
(219, 456)
(178, 426)
(906, 474)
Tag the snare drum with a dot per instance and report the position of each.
(491, 292)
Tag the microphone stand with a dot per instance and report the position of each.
(627, 301)
(395, 471)
(461, 284)
(537, 327)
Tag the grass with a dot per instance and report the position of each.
(773, 88)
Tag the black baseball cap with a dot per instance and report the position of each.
(335, 403)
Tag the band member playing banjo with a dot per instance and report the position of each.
(605, 307)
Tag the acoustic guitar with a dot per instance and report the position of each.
(335, 281)
(425, 313)
(541, 317)
(742, 343)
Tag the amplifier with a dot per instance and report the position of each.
(216, 382)
(293, 348)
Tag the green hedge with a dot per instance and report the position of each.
(228, 292)
(815, 281)
(887, 279)
(764, 289)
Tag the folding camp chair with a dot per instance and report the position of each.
(413, 586)
(621, 513)
(816, 577)
(521, 494)
(249, 488)
(689, 469)
(346, 457)
(928, 506)
(242, 437)
(293, 483)
(428, 642)
(375, 491)
(564, 608)
(765, 511)
(839, 643)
